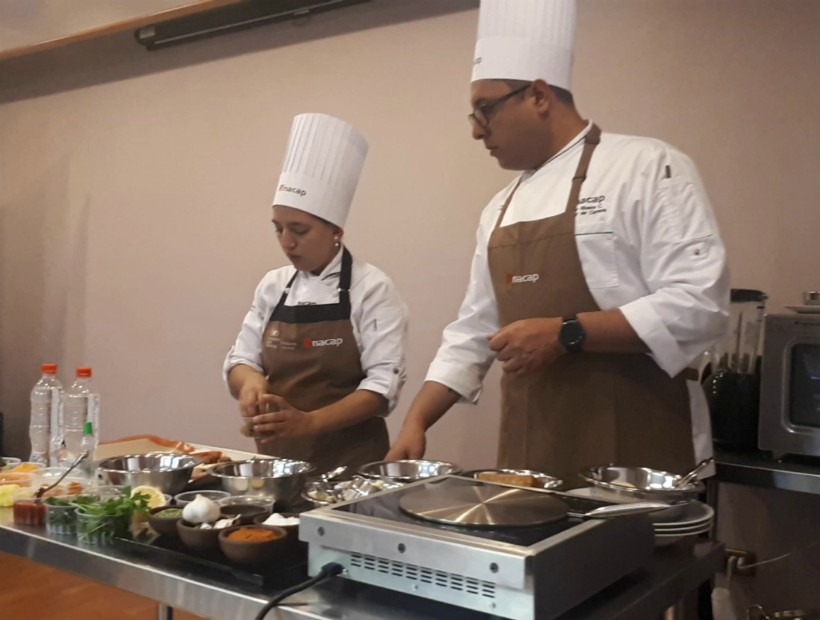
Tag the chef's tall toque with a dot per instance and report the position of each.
(322, 167)
(525, 40)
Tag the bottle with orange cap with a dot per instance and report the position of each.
(81, 404)
(46, 398)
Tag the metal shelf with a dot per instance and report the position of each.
(760, 469)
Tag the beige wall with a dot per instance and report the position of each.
(134, 187)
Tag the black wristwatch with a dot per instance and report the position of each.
(572, 335)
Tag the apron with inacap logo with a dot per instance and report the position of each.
(585, 408)
(311, 359)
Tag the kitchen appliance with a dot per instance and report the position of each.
(538, 569)
(733, 385)
(790, 389)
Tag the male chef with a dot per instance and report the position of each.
(598, 276)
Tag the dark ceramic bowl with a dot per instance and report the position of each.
(197, 539)
(252, 552)
(247, 513)
(164, 526)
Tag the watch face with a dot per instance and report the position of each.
(572, 335)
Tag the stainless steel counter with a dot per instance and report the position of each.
(645, 594)
(758, 469)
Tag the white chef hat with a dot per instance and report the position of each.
(525, 40)
(322, 166)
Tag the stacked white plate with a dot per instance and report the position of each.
(697, 517)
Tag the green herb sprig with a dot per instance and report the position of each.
(112, 516)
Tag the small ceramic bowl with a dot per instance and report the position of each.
(293, 541)
(181, 499)
(252, 551)
(292, 530)
(197, 539)
(162, 525)
(246, 513)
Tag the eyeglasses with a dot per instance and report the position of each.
(483, 113)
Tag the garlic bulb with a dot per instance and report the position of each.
(201, 510)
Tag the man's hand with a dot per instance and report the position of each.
(410, 444)
(282, 420)
(527, 346)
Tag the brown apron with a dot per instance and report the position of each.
(586, 408)
(311, 359)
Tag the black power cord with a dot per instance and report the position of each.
(331, 569)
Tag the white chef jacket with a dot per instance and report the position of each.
(648, 244)
(377, 314)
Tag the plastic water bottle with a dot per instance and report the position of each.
(81, 404)
(89, 444)
(46, 399)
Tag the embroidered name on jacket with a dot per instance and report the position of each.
(591, 205)
(522, 279)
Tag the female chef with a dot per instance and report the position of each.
(319, 361)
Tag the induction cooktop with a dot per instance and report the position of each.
(526, 571)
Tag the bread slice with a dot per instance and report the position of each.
(518, 480)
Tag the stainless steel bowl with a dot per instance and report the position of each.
(542, 480)
(811, 298)
(324, 493)
(407, 471)
(281, 479)
(642, 483)
(169, 473)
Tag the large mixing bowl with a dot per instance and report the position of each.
(407, 470)
(281, 479)
(169, 473)
(642, 483)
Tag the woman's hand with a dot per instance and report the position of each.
(248, 386)
(251, 394)
(282, 420)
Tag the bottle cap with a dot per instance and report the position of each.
(83, 372)
(49, 369)
(88, 428)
